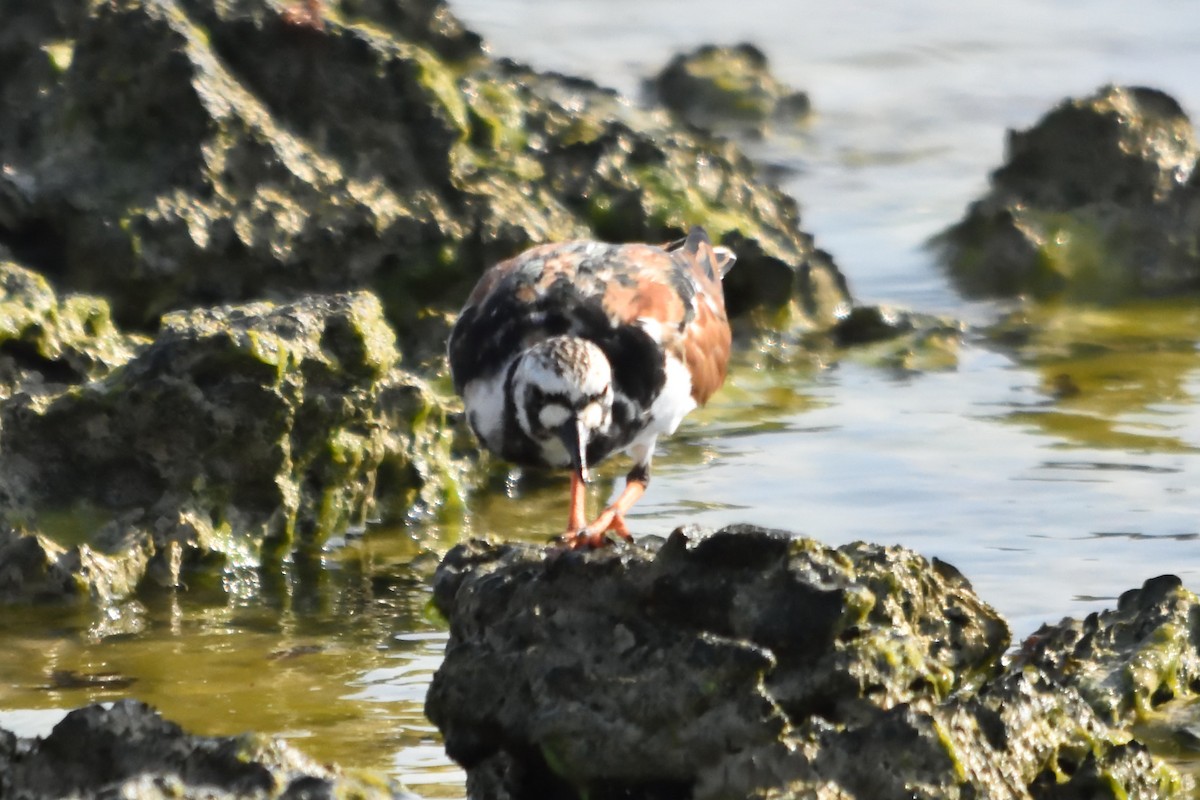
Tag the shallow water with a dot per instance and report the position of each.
(1056, 465)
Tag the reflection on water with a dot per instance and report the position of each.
(1121, 378)
(336, 660)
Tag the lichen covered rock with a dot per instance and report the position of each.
(244, 432)
(1022, 737)
(727, 87)
(1128, 661)
(168, 153)
(47, 341)
(628, 670)
(1094, 201)
(752, 664)
(130, 751)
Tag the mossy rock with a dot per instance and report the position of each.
(172, 153)
(127, 749)
(1093, 202)
(241, 433)
(727, 88)
(647, 666)
(1130, 661)
(752, 663)
(47, 341)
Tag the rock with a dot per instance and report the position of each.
(240, 433)
(752, 664)
(36, 569)
(130, 751)
(365, 145)
(1093, 201)
(1019, 737)
(727, 88)
(1130, 661)
(653, 671)
(889, 337)
(46, 342)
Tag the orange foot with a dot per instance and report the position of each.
(603, 531)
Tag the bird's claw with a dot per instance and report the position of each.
(609, 528)
(583, 540)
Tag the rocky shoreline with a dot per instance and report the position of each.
(227, 282)
(232, 238)
(739, 663)
(754, 663)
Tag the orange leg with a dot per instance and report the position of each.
(613, 517)
(576, 519)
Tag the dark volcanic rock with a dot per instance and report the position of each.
(727, 87)
(748, 663)
(1020, 737)
(897, 339)
(636, 669)
(1093, 201)
(1130, 661)
(166, 153)
(238, 431)
(47, 342)
(129, 750)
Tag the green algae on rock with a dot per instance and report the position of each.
(380, 149)
(1130, 660)
(34, 568)
(48, 341)
(240, 432)
(1021, 737)
(648, 667)
(752, 664)
(723, 87)
(889, 337)
(130, 751)
(1094, 201)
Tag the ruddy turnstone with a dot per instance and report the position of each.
(569, 352)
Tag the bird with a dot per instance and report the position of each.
(572, 351)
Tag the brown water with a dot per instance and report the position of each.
(1056, 464)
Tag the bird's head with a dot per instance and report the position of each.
(563, 398)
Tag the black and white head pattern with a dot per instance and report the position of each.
(559, 380)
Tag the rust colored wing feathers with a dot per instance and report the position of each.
(706, 339)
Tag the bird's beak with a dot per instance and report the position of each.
(574, 438)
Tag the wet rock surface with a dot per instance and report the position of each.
(749, 663)
(241, 432)
(48, 342)
(167, 153)
(727, 88)
(1097, 200)
(1129, 661)
(130, 751)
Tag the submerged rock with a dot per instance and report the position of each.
(749, 663)
(727, 87)
(129, 750)
(240, 432)
(1093, 201)
(898, 339)
(167, 153)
